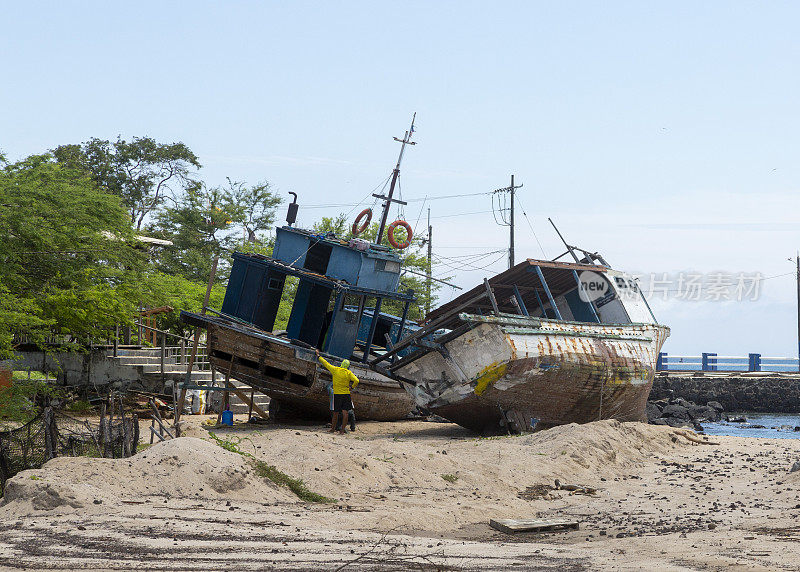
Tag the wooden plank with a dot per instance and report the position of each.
(510, 525)
(243, 396)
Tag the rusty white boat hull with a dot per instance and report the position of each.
(526, 371)
(291, 375)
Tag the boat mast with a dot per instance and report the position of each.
(406, 140)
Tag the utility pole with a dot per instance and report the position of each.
(430, 264)
(798, 311)
(510, 221)
(406, 140)
(511, 239)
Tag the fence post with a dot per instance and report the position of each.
(660, 363)
(755, 362)
(163, 356)
(709, 362)
(116, 338)
(49, 433)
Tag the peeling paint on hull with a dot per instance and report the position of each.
(553, 373)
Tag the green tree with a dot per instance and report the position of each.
(197, 226)
(207, 222)
(251, 208)
(141, 172)
(67, 265)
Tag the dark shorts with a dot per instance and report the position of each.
(342, 402)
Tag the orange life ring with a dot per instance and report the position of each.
(390, 234)
(358, 229)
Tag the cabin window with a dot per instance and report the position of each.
(275, 284)
(387, 266)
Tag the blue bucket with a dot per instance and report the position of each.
(227, 417)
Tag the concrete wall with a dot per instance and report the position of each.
(72, 368)
(779, 393)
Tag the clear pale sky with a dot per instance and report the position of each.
(664, 135)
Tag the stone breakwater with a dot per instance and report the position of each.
(757, 392)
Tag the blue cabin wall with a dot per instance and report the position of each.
(309, 312)
(290, 247)
(345, 264)
(356, 267)
(254, 293)
(341, 338)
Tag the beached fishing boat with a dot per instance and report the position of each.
(543, 343)
(337, 288)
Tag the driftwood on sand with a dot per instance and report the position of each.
(693, 437)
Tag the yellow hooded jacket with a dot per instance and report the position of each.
(341, 378)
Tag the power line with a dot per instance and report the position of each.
(461, 214)
(531, 227)
(416, 200)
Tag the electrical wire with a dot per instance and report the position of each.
(461, 214)
(414, 200)
(471, 267)
(531, 227)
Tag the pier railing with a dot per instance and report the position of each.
(714, 362)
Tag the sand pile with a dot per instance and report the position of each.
(187, 468)
(340, 466)
(603, 445)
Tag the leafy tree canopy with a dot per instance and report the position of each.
(209, 221)
(141, 172)
(67, 265)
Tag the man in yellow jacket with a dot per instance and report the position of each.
(341, 391)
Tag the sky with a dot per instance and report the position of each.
(663, 135)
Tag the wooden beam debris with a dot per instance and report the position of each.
(510, 526)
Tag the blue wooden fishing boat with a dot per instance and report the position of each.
(339, 287)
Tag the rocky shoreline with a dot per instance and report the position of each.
(679, 412)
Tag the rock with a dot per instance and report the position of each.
(795, 467)
(703, 413)
(716, 405)
(675, 422)
(741, 419)
(797, 428)
(676, 411)
(653, 411)
(660, 421)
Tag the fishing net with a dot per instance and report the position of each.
(55, 434)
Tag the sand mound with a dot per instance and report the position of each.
(337, 466)
(603, 444)
(181, 468)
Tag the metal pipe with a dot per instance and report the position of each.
(549, 294)
(339, 300)
(372, 327)
(520, 301)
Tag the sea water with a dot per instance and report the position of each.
(776, 426)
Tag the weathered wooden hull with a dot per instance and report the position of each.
(538, 371)
(292, 376)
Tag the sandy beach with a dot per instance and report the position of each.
(415, 495)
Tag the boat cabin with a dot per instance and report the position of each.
(337, 279)
(577, 292)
